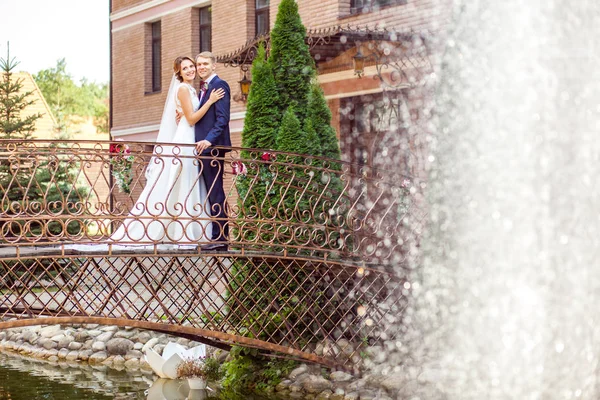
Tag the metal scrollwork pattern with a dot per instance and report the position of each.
(401, 57)
(309, 263)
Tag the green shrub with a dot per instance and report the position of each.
(248, 371)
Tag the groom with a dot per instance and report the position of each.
(213, 130)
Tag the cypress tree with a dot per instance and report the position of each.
(313, 144)
(290, 59)
(293, 183)
(291, 137)
(283, 96)
(260, 130)
(262, 114)
(320, 116)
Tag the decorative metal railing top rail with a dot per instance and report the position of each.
(116, 233)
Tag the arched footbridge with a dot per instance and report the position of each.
(314, 268)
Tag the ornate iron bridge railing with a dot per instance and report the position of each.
(314, 267)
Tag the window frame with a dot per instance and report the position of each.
(205, 28)
(264, 12)
(156, 46)
(370, 5)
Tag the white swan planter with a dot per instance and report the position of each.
(165, 366)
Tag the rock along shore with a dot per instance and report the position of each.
(123, 348)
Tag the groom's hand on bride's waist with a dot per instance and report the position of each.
(202, 145)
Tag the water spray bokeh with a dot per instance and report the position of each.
(507, 280)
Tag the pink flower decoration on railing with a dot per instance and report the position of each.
(266, 156)
(238, 168)
(117, 148)
(122, 165)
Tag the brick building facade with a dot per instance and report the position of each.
(147, 35)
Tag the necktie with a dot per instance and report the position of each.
(203, 87)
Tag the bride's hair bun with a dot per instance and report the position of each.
(177, 66)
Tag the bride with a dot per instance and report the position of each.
(173, 206)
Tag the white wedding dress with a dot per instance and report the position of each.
(173, 208)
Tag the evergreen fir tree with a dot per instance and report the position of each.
(38, 182)
(15, 177)
(12, 102)
(290, 59)
(57, 185)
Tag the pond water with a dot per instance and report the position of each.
(28, 379)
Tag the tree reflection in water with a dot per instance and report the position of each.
(26, 379)
(23, 378)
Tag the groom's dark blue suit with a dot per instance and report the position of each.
(214, 127)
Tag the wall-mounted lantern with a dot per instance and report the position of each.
(245, 86)
(359, 62)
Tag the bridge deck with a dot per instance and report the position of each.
(314, 268)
